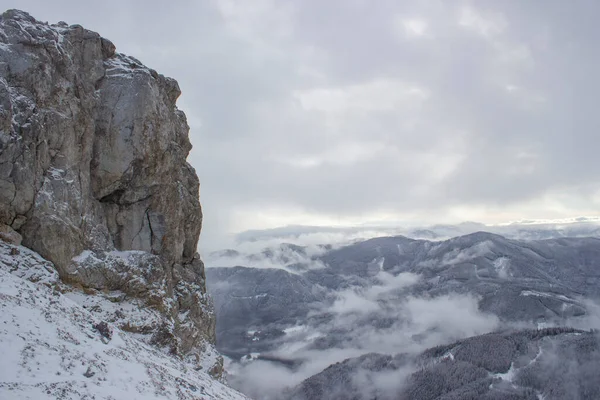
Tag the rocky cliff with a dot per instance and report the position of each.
(94, 178)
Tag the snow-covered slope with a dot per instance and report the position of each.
(53, 348)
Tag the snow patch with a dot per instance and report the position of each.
(509, 375)
(544, 294)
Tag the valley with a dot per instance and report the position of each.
(382, 306)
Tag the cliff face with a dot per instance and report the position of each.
(93, 175)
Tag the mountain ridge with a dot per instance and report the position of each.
(393, 295)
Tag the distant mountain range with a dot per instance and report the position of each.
(392, 301)
(524, 229)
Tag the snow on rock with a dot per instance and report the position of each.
(54, 348)
(27, 264)
(94, 178)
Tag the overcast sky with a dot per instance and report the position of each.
(349, 111)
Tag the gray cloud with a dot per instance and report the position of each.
(346, 111)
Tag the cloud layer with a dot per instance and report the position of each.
(341, 112)
(359, 325)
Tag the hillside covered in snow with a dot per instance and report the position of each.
(53, 347)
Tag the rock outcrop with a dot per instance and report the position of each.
(53, 348)
(94, 178)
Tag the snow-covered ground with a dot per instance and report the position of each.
(52, 348)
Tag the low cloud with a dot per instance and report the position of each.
(379, 313)
(591, 320)
(363, 300)
(376, 319)
(267, 254)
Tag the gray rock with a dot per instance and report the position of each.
(93, 158)
(9, 235)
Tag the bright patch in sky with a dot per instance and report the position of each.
(378, 95)
(414, 27)
(485, 25)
